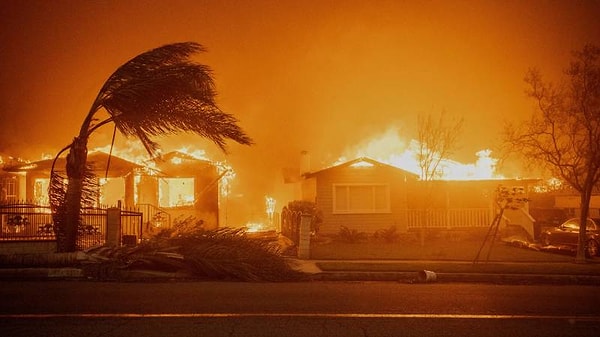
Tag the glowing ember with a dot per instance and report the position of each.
(254, 227)
(268, 223)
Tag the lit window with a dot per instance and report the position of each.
(175, 192)
(8, 189)
(40, 191)
(112, 190)
(361, 198)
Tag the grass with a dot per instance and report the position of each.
(442, 246)
(564, 268)
(445, 252)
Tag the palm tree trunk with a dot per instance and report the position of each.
(76, 162)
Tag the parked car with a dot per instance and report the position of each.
(568, 232)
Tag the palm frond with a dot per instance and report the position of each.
(223, 254)
(162, 92)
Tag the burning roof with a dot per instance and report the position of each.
(98, 160)
(363, 162)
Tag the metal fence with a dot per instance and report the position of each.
(30, 222)
(290, 224)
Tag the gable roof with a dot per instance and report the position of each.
(363, 161)
(99, 160)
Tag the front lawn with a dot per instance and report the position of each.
(455, 246)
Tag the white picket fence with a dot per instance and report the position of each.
(452, 218)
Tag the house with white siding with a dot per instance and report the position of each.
(366, 195)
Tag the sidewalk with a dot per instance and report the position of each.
(404, 271)
(411, 271)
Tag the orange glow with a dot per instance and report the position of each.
(196, 153)
(265, 224)
(334, 70)
(270, 208)
(173, 192)
(40, 191)
(176, 192)
(254, 227)
(131, 151)
(390, 148)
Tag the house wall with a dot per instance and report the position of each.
(465, 203)
(309, 189)
(207, 191)
(367, 222)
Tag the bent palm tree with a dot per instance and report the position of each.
(156, 93)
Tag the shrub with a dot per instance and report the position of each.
(388, 235)
(221, 254)
(351, 235)
(308, 207)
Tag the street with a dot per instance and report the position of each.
(79, 308)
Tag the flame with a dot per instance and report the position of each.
(197, 153)
(549, 185)
(133, 152)
(391, 149)
(265, 224)
(254, 227)
(270, 208)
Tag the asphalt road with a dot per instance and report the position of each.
(80, 308)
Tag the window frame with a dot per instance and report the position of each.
(373, 197)
(164, 181)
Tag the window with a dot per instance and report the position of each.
(174, 192)
(40, 191)
(361, 198)
(111, 190)
(8, 189)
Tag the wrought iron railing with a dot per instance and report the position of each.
(22, 221)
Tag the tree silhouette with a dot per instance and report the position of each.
(563, 135)
(437, 139)
(159, 92)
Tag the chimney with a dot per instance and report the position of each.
(304, 162)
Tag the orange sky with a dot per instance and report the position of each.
(311, 75)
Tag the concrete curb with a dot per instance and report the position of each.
(412, 277)
(41, 273)
(20, 274)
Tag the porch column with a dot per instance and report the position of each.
(304, 237)
(113, 226)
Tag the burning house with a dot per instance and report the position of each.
(177, 184)
(367, 195)
(183, 185)
(115, 178)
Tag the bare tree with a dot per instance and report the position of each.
(156, 93)
(563, 134)
(437, 138)
(437, 141)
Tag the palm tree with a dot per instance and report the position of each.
(159, 92)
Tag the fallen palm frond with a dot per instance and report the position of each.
(221, 254)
